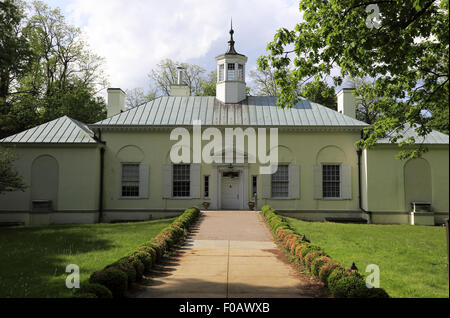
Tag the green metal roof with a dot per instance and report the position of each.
(433, 138)
(63, 130)
(254, 111)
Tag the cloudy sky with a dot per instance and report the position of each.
(134, 35)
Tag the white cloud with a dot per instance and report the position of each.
(134, 35)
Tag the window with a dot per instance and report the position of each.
(230, 74)
(206, 185)
(130, 180)
(240, 74)
(181, 180)
(221, 73)
(254, 186)
(280, 182)
(331, 181)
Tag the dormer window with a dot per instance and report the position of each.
(240, 73)
(221, 72)
(230, 74)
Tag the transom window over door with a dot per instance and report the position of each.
(331, 181)
(181, 181)
(280, 182)
(130, 180)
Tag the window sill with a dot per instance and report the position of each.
(180, 198)
(282, 198)
(132, 198)
(333, 199)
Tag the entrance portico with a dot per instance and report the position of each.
(230, 186)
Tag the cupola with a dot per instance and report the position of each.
(231, 88)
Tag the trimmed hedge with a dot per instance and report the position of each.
(342, 282)
(115, 278)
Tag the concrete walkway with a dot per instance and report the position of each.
(229, 254)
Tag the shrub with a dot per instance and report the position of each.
(150, 250)
(138, 266)
(310, 257)
(113, 279)
(145, 258)
(326, 270)
(335, 275)
(309, 248)
(125, 266)
(281, 233)
(98, 290)
(350, 286)
(318, 263)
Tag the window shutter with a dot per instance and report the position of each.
(167, 181)
(195, 180)
(266, 180)
(294, 181)
(143, 180)
(346, 183)
(317, 176)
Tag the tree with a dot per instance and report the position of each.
(402, 45)
(137, 96)
(165, 74)
(10, 180)
(264, 81)
(62, 76)
(364, 108)
(208, 86)
(319, 92)
(15, 54)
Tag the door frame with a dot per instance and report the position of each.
(218, 169)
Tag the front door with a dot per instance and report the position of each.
(231, 197)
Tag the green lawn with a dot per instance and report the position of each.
(34, 259)
(412, 259)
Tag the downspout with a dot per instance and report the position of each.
(359, 153)
(102, 168)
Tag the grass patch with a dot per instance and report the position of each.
(34, 258)
(412, 259)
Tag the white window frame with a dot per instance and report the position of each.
(287, 181)
(240, 72)
(340, 180)
(231, 72)
(221, 73)
(173, 182)
(122, 164)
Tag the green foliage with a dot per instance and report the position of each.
(113, 279)
(406, 56)
(52, 72)
(99, 291)
(208, 86)
(349, 287)
(10, 180)
(125, 266)
(319, 92)
(409, 267)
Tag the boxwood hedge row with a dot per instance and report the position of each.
(342, 282)
(116, 278)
